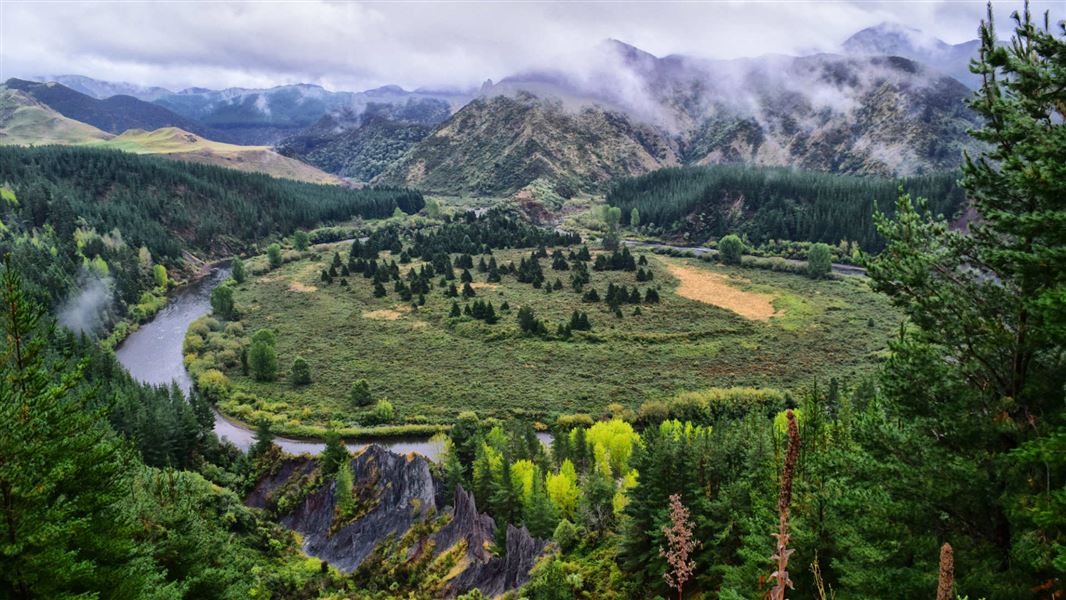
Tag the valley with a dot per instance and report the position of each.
(769, 303)
(711, 326)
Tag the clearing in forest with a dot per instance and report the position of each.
(705, 286)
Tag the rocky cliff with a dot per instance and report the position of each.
(395, 511)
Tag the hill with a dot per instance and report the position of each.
(497, 145)
(361, 145)
(171, 207)
(26, 121)
(113, 115)
(176, 144)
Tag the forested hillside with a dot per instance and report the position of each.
(73, 212)
(766, 203)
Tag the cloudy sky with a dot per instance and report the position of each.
(353, 46)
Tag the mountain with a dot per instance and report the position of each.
(499, 144)
(266, 116)
(175, 144)
(114, 115)
(26, 121)
(360, 145)
(101, 90)
(630, 112)
(890, 39)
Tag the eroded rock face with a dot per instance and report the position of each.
(499, 574)
(392, 492)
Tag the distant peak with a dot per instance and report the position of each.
(627, 51)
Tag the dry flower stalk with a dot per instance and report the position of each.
(946, 586)
(784, 499)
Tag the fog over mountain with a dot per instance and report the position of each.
(351, 46)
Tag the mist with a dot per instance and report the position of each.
(91, 305)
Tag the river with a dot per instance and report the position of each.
(153, 354)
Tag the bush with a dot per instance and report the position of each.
(300, 240)
(301, 371)
(730, 249)
(262, 358)
(384, 412)
(566, 535)
(819, 261)
(222, 302)
(360, 393)
(274, 255)
(707, 406)
(213, 384)
(238, 270)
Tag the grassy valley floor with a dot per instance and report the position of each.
(715, 326)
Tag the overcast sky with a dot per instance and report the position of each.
(354, 46)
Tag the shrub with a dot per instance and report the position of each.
(301, 371)
(730, 249)
(213, 384)
(222, 302)
(819, 261)
(360, 393)
(238, 270)
(274, 255)
(384, 412)
(300, 240)
(566, 535)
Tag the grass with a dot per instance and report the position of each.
(431, 367)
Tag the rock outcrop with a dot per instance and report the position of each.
(391, 494)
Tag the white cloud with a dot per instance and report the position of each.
(347, 45)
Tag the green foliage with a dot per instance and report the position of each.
(169, 206)
(222, 302)
(780, 203)
(335, 455)
(239, 271)
(262, 357)
(301, 371)
(359, 394)
(274, 255)
(62, 476)
(819, 261)
(384, 412)
(159, 274)
(730, 249)
(300, 240)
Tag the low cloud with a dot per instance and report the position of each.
(89, 307)
(347, 45)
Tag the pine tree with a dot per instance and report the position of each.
(335, 455)
(455, 312)
(62, 473)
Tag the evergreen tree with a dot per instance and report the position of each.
(335, 455)
(239, 271)
(455, 312)
(263, 439)
(62, 473)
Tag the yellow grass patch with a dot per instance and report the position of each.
(714, 288)
(478, 285)
(296, 286)
(384, 314)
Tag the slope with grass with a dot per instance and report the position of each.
(176, 144)
(25, 121)
(432, 366)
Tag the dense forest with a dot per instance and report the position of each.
(942, 476)
(774, 203)
(73, 216)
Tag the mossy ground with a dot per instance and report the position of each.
(431, 367)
